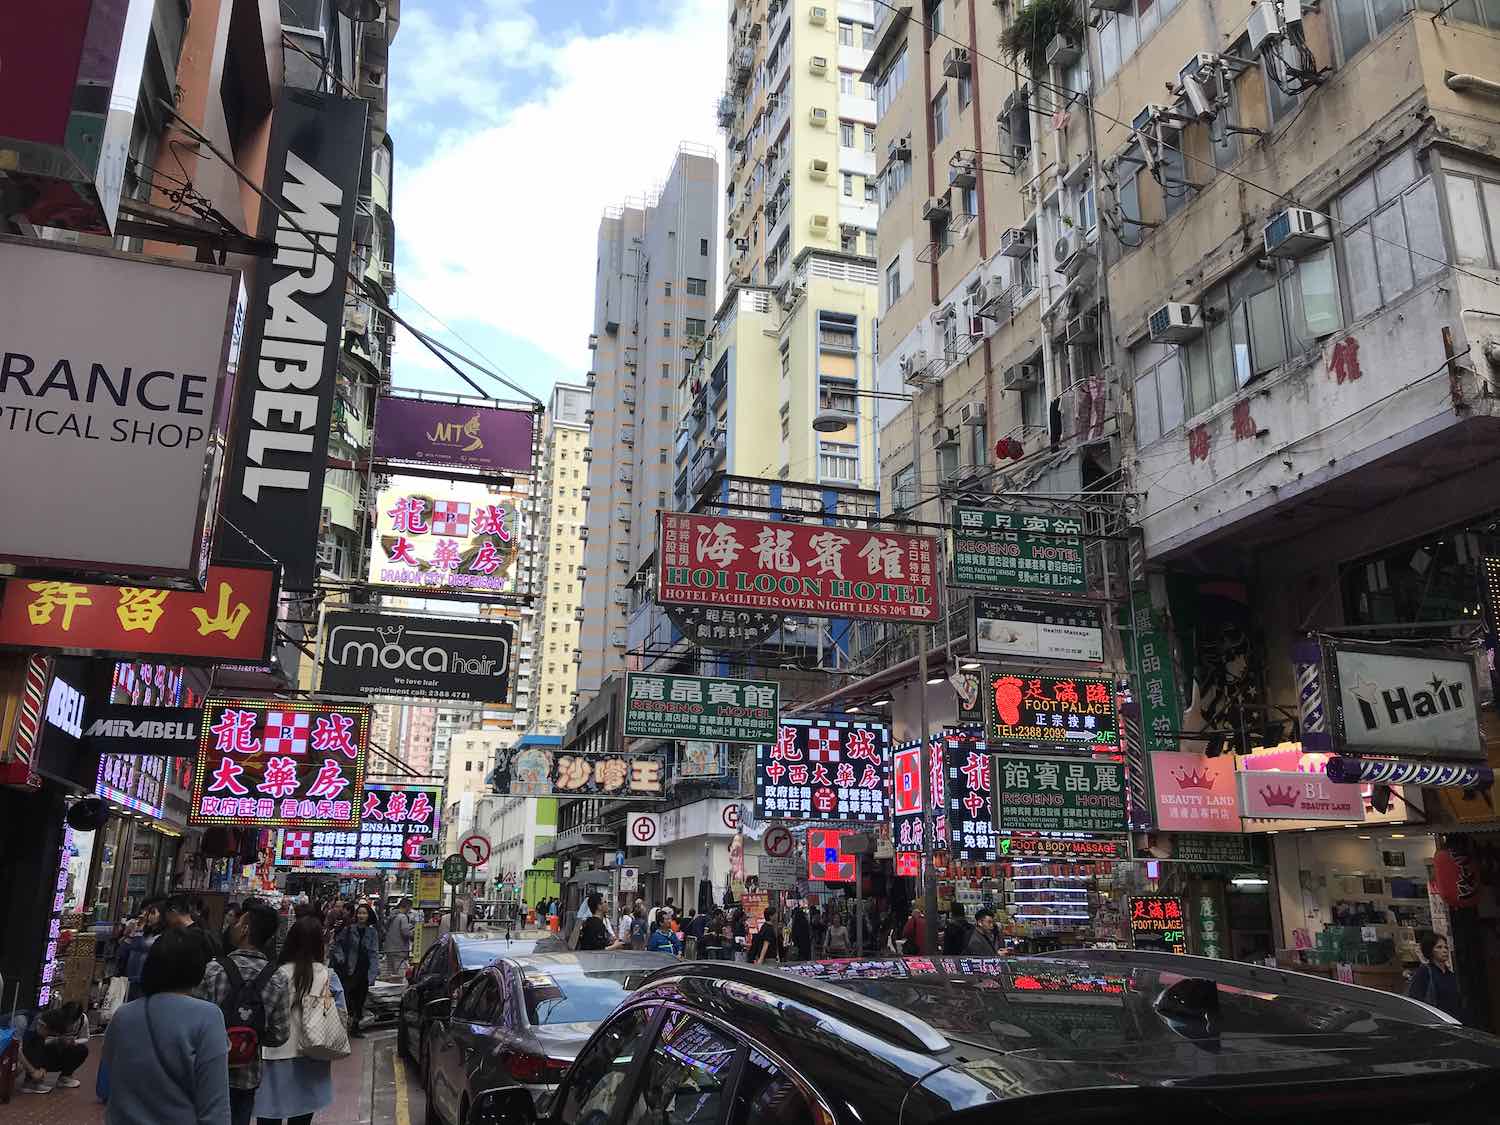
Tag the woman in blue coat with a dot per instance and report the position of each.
(355, 956)
(662, 939)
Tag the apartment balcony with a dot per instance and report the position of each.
(891, 25)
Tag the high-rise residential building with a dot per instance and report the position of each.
(406, 732)
(652, 302)
(800, 243)
(562, 493)
(471, 761)
(448, 722)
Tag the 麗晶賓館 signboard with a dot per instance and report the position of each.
(111, 372)
(995, 550)
(795, 568)
(1057, 794)
(700, 708)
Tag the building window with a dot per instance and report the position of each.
(947, 461)
(1392, 233)
(846, 82)
(1158, 391)
(934, 19)
(695, 327)
(666, 330)
(891, 80)
(870, 189)
(703, 247)
(1474, 212)
(849, 242)
(697, 287)
(848, 184)
(965, 93)
(870, 243)
(903, 488)
(846, 33)
(979, 445)
(896, 176)
(869, 139)
(668, 289)
(867, 37)
(846, 134)
(893, 282)
(940, 116)
(837, 462)
(1360, 21)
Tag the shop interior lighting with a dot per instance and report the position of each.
(1018, 878)
(880, 703)
(853, 710)
(969, 666)
(1398, 835)
(936, 679)
(1250, 881)
(1366, 837)
(1049, 917)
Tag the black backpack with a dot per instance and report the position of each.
(244, 1011)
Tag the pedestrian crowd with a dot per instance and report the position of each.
(222, 1027)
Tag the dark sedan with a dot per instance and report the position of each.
(1118, 1037)
(436, 979)
(521, 1022)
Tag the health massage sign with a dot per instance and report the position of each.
(270, 763)
(394, 822)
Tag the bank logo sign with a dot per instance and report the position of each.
(387, 655)
(111, 368)
(1415, 704)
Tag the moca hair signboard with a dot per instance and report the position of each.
(111, 372)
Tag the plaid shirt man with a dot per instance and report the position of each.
(277, 999)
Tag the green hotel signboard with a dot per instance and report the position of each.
(700, 708)
(997, 550)
(1037, 794)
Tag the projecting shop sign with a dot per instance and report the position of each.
(1038, 630)
(1058, 794)
(446, 535)
(1413, 704)
(394, 822)
(700, 707)
(795, 568)
(998, 549)
(1057, 710)
(393, 656)
(111, 372)
(433, 432)
(537, 771)
(824, 770)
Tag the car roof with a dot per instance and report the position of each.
(576, 964)
(477, 952)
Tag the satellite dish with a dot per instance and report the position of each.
(88, 815)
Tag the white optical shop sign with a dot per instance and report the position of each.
(112, 369)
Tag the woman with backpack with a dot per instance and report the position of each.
(355, 957)
(297, 1078)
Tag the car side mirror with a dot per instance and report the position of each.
(509, 1105)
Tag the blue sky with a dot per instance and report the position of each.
(516, 122)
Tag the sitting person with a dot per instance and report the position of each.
(58, 1039)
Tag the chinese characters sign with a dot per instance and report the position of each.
(967, 765)
(1017, 845)
(537, 771)
(724, 629)
(994, 550)
(1038, 630)
(230, 621)
(1195, 793)
(1058, 794)
(272, 763)
(795, 568)
(906, 796)
(394, 822)
(825, 770)
(1158, 922)
(448, 535)
(697, 707)
(1051, 709)
(1150, 655)
(135, 781)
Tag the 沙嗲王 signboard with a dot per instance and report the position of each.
(700, 707)
(1057, 710)
(1038, 630)
(995, 549)
(1417, 704)
(1031, 793)
(436, 432)
(111, 372)
(796, 568)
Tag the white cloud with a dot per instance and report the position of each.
(499, 224)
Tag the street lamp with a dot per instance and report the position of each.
(830, 420)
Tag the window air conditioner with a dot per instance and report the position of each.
(1295, 232)
(1111, 5)
(1016, 242)
(818, 224)
(956, 63)
(1082, 329)
(937, 209)
(1175, 323)
(1021, 375)
(818, 16)
(961, 173)
(1062, 52)
(817, 116)
(818, 64)
(971, 414)
(817, 168)
(899, 149)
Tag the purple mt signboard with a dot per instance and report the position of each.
(434, 432)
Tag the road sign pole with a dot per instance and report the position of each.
(859, 912)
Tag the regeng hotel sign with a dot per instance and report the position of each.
(795, 568)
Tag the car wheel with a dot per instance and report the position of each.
(434, 1117)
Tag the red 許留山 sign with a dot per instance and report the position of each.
(270, 763)
(795, 568)
(1195, 793)
(231, 621)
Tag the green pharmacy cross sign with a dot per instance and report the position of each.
(996, 550)
(700, 708)
(1039, 794)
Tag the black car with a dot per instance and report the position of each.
(436, 979)
(522, 1021)
(1092, 1037)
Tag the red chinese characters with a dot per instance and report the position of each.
(1197, 440)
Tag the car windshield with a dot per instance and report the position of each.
(578, 997)
(478, 954)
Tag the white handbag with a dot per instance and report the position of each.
(323, 1033)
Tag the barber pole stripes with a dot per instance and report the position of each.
(17, 762)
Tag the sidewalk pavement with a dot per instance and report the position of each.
(359, 1083)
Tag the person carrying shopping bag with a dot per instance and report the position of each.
(297, 1077)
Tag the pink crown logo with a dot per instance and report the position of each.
(1284, 796)
(1195, 778)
